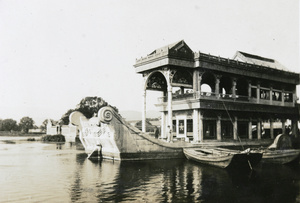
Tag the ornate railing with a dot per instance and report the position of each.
(214, 96)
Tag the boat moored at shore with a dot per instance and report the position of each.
(280, 151)
(224, 158)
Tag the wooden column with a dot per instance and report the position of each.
(196, 125)
(283, 126)
(200, 126)
(199, 83)
(282, 97)
(217, 86)
(233, 87)
(272, 128)
(271, 95)
(195, 80)
(258, 93)
(144, 112)
(295, 127)
(170, 113)
(250, 129)
(219, 137)
(249, 90)
(235, 128)
(258, 129)
(163, 125)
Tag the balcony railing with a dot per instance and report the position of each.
(225, 97)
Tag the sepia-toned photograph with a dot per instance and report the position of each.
(149, 101)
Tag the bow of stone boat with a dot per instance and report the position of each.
(108, 135)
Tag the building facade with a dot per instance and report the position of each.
(207, 97)
(69, 131)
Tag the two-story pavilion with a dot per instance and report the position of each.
(210, 97)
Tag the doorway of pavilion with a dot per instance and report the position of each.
(209, 129)
(183, 127)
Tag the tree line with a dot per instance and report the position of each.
(24, 125)
(88, 106)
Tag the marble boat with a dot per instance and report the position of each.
(108, 136)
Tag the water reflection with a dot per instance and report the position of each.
(39, 172)
(183, 181)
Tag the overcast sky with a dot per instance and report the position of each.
(53, 53)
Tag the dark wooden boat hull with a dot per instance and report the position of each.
(223, 159)
(281, 156)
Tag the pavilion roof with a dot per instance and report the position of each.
(174, 46)
(259, 60)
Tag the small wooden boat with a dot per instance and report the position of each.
(224, 158)
(286, 156)
(280, 151)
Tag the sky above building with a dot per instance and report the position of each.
(53, 53)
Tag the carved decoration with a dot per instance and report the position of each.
(172, 73)
(156, 82)
(182, 77)
(105, 115)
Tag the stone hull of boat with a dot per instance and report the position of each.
(114, 139)
(138, 147)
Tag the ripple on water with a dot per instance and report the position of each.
(41, 172)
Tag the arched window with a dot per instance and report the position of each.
(208, 82)
(182, 78)
(156, 81)
(242, 87)
(225, 85)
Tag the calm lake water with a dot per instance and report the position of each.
(44, 172)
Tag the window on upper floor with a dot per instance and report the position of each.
(288, 97)
(264, 94)
(276, 96)
(253, 92)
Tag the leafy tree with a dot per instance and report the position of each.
(45, 123)
(87, 106)
(26, 123)
(65, 118)
(90, 105)
(9, 124)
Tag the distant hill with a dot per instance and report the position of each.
(137, 115)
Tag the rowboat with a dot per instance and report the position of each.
(280, 151)
(286, 156)
(223, 158)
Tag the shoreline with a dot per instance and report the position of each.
(20, 134)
